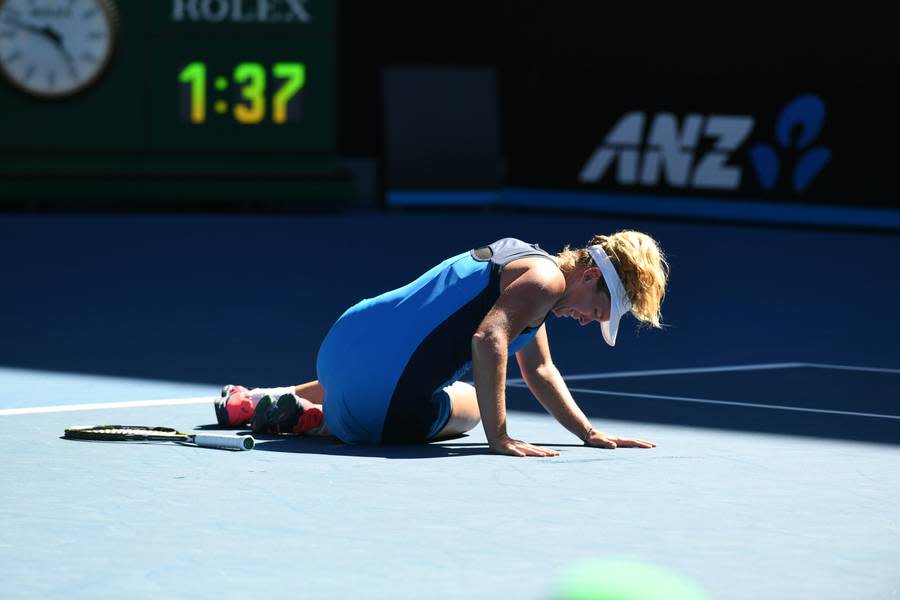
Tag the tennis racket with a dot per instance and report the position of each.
(138, 433)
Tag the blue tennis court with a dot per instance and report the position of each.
(776, 421)
(224, 217)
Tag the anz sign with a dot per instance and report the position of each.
(649, 150)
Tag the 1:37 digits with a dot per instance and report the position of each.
(252, 80)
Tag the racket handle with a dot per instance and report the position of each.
(230, 442)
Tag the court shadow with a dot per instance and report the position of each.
(122, 323)
(333, 447)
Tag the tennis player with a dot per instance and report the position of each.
(390, 369)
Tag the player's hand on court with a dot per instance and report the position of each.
(511, 447)
(598, 439)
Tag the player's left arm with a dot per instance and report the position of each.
(547, 384)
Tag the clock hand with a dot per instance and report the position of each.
(70, 60)
(41, 31)
(52, 35)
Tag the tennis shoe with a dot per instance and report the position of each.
(288, 414)
(235, 406)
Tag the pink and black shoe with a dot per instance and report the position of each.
(235, 407)
(288, 414)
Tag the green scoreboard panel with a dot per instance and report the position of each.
(168, 100)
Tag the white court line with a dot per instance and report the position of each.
(852, 368)
(521, 383)
(36, 410)
(758, 367)
(742, 404)
(651, 373)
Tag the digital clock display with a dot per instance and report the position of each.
(250, 94)
(186, 75)
(188, 99)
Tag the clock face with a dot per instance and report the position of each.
(56, 48)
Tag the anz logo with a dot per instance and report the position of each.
(648, 152)
(797, 128)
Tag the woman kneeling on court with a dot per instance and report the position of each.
(389, 369)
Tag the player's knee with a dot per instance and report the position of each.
(469, 421)
(459, 424)
(464, 410)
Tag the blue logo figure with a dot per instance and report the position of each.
(806, 113)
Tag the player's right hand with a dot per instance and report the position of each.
(507, 445)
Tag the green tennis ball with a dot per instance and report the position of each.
(623, 580)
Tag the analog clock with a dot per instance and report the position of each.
(56, 48)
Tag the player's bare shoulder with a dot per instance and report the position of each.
(536, 274)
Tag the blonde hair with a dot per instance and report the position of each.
(641, 266)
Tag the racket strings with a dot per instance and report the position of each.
(129, 432)
(135, 429)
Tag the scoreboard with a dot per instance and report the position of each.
(168, 100)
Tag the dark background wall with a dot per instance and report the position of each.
(568, 70)
(812, 83)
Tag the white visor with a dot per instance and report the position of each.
(619, 304)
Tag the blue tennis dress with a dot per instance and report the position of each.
(385, 363)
